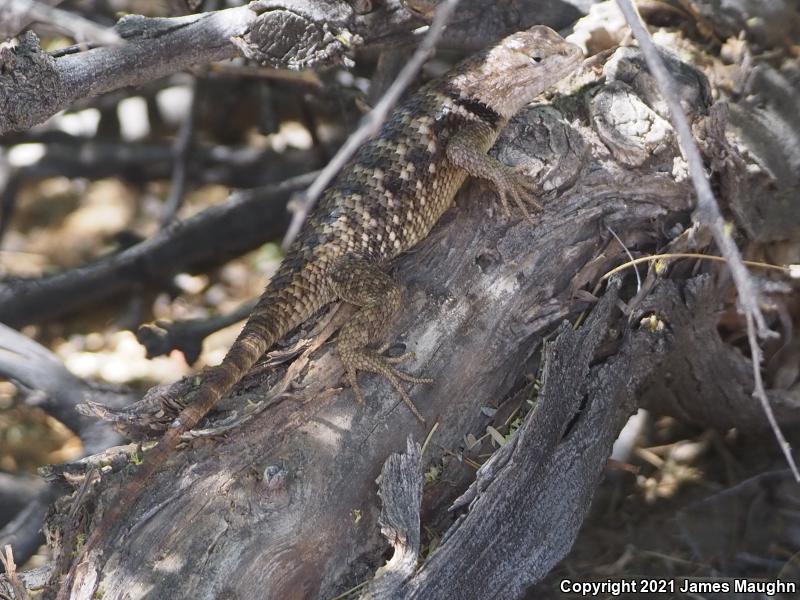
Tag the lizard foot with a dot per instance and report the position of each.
(362, 283)
(517, 188)
(375, 362)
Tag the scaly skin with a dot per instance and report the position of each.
(382, 203)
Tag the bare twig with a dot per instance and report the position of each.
(83, 30)
(371, 122)
(183, 142)
(760, 393)
(708, 214)
(7, 559)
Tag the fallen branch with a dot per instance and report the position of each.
(78, 27)
(187, 335)
(244, 222)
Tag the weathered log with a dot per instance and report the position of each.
(285, 505)
(482, 293)
(529, 500)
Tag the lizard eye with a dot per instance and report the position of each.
(536, 57)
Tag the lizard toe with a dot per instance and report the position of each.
(516, 188)
(374, 362)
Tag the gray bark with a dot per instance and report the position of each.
(545, 475)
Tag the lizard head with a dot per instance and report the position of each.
(518, 68)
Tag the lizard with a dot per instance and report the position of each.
(383, 202)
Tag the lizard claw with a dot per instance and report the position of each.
(375, 362)
(517, 188)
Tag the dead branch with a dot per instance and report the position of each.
(288, 35)
(708, 213)
(162, 337)
(55, 390)
(19, 12)
(245, 221)
(139, 162)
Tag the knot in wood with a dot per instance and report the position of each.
(290, 39)
(29, 85)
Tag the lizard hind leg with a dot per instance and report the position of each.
(363, 284)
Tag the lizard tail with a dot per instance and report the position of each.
(258, 335)
(272, 319)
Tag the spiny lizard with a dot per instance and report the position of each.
(382, 203)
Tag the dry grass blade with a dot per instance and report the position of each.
(670, 255)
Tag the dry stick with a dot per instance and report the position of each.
(370, 124)
(180, 150)
(760, 393)
(83, 30)
(7, 560)
(708, 214)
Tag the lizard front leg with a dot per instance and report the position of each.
(467, 149)
(363, 284)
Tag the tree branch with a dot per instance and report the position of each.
(245, 221)
(708, 214)
(83, 30)
(286, 34)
